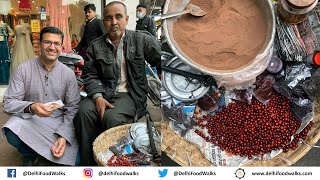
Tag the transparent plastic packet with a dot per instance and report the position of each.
(299, 92)
(281, 87)
(302, 108)
(209, 102)
(181, 117)
(264, 91)
(297, 73)
(311, 89)
(173, 112)
(243, 95)
(124, 146)
(312, 86)
(140, 158)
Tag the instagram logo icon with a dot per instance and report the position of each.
(87, 173)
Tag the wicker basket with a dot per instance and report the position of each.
(180, 150)
(109, 138)
(187, 154)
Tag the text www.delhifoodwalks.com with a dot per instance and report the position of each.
(282, 173)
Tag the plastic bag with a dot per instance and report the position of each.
(282, 88)
(301, 108)
(123, 146)
(209, 101)
(296, 73)
(312, 86)
(181, 116)
(247, 77)
(240, 95)
(264, 92)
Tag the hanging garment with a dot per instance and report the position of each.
(23, 50)
(59, 17)
(4, 56)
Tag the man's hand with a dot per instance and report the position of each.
(59, 147)
(41, 110)
(101, 105)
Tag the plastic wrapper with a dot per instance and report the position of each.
(221, 158)
(239, 95)
(287, 43)
(282, 88)
(245, 79)
(312, 86)
(181, 117)
(265, 91)
(135, 159)
(173, 112)
(311, 89)
(307, 35)
(296, 73)
(299, 92)
(209, 102)
(123, 146)
(302, 108)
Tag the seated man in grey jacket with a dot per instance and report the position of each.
(114, 78)
(43, 98)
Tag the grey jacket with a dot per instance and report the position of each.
(100, 69)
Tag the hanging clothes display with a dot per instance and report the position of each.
(5, 30)
(23, 50)
(59, 17)
(25, 5)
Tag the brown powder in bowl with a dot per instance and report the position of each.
(227, 38)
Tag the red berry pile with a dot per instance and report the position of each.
(120, 161)
(252, 129)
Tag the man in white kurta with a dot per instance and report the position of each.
(34, 125)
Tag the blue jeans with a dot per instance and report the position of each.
(28, 153)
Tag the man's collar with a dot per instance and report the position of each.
(92, 19)
(109, 40)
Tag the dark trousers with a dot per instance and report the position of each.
(88, 124)
(28, 154)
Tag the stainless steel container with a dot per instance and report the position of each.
(228, 78)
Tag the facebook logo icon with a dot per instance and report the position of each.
(11, 173)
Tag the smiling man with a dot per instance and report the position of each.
(34, 128)
(115, 78)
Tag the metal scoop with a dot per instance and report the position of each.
(191, 8)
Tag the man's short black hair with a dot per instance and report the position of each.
(52, 30)
(142, 5)
(89, 6)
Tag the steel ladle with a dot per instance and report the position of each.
(191, 8)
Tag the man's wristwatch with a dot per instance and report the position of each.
(30, 110)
